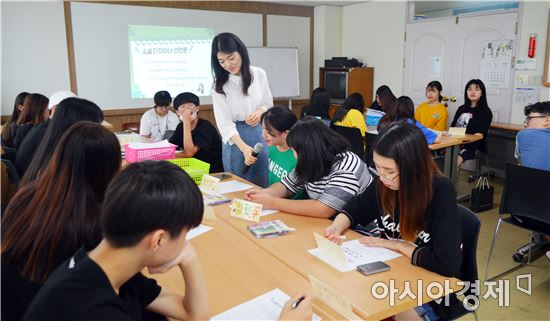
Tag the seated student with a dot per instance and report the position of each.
(326, 169)
(50, 218)
(159, 123)
(433, 114)
(351, 114)
(318, 106)
(533, 146)
(34, 112)
(37, 149)
(197, 136)
(149, 207)
(384, 99)
(412, 201)
(403, 110)
(8, 131)
(475, 115)
(276, 123)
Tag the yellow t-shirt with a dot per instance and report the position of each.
(433, 117)
(354, 119)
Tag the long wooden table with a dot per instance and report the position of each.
(292, 249)
(237, 270)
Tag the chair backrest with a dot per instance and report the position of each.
(131, 126)
(526, 193)
(470, 234)
(353, 136)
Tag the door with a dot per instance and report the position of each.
(458, 41)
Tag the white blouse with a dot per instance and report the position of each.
(235, 106)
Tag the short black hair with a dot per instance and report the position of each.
(162, 98)
(185, 98)
(542, 107)
(148, 196)
(279, 118)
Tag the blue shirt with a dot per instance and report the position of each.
(533, 146)
(428, 133)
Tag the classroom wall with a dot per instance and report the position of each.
(373, 33)
(534, 19)
(34, 50)
(328, 36)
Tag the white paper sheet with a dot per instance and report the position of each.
(356, 254)
(201, 229)
(163, 143)
(265, 307)
(232, 186)
(268, 212)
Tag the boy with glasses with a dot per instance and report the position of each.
(159, 123)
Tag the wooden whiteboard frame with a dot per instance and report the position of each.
(546, 78)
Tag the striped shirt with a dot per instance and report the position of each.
(348, 177)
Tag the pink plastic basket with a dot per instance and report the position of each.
(138, 155)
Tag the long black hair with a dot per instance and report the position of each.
(354, 101)
(229, 43)
(69, 111)
(482, 100)
(317, 146)
(404, 110)
(7, 134)
(318, 104)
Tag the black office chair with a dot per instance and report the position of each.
(525, 203)
(369, 145)
(353, 136)
(468, 271)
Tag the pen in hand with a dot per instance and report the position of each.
(295, 304)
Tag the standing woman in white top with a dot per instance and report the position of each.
(240, 96)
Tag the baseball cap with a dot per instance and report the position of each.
(59, 96)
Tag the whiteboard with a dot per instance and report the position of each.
(281, 67)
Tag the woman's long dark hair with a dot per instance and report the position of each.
(7, 134)
(354, 101)
(34, 106)
(318, 104)
(51, 217)
(69, 111)
(406, 145)
(317, 147)
(229, 43)
(482, 103)
(403, 110)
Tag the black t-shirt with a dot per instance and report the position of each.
(476, 120)
(17, 293)
(28, 147)
(80, 290)
(207, 139)
(438, 244)
(21, 132)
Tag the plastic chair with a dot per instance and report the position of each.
(353, 136)
(526, 195)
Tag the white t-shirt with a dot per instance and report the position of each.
(155, 126)
(235, 106)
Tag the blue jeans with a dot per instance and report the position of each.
(233, 159)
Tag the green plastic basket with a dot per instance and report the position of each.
(194, 167)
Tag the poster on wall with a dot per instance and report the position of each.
(434, 69)
(496, 62)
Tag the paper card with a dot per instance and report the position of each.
(268, 212)
(232, 186)
(208, 216)
(246, 210)
(209, 183)
(332, 298)
(333, 250)
(201, 229)
(457, 131)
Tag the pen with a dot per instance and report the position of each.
(295, 304)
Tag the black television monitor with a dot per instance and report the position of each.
(336, 83)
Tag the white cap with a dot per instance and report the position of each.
(58, 97)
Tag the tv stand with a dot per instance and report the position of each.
(360, 80)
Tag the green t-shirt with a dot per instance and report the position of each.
(280, 165)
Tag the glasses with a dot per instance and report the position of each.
(528, 118)
(382, 176)
(162, 107)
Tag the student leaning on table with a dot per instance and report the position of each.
(326, 170)
(149, 207)
(413, 203)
